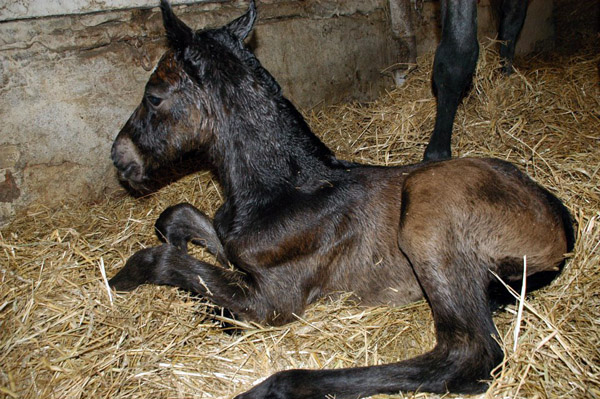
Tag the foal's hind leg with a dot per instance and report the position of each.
(465, 353)
(455, 286)
(182, 223)
(466, 350)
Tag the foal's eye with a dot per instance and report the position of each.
(155, 101)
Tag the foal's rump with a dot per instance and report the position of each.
(486, 212)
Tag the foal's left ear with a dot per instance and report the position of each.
(241, 27)
(178, 33)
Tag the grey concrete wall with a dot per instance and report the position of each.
(68, 83)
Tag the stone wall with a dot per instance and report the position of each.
(68, 83)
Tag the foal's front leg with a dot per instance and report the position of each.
(182, 223)
(167, 265)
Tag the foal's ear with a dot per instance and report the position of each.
(178, 33)
(241, 27)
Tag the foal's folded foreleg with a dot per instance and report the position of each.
(182, 223)
(167, 265)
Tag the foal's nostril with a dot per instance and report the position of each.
(134, 172)
(117, 154)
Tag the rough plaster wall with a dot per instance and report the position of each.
(67, 84)
(538, 30)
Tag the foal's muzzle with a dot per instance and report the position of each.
(128, 161)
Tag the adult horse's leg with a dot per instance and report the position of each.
(453, 68)
(182, 223)
(512, 17)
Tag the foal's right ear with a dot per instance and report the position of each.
(241, 27)
(178, 33)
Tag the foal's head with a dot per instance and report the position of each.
(203, 78)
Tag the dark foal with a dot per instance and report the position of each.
(456, 57)
(297, 224)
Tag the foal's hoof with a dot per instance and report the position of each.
(137, 271)
(288, 384)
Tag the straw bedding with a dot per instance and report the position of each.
(64, 336)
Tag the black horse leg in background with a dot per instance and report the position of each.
(453, 67)
(456, 58)
(512, 17)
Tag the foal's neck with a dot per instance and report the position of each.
(267, 148)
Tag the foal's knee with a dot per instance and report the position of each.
(171, 225)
